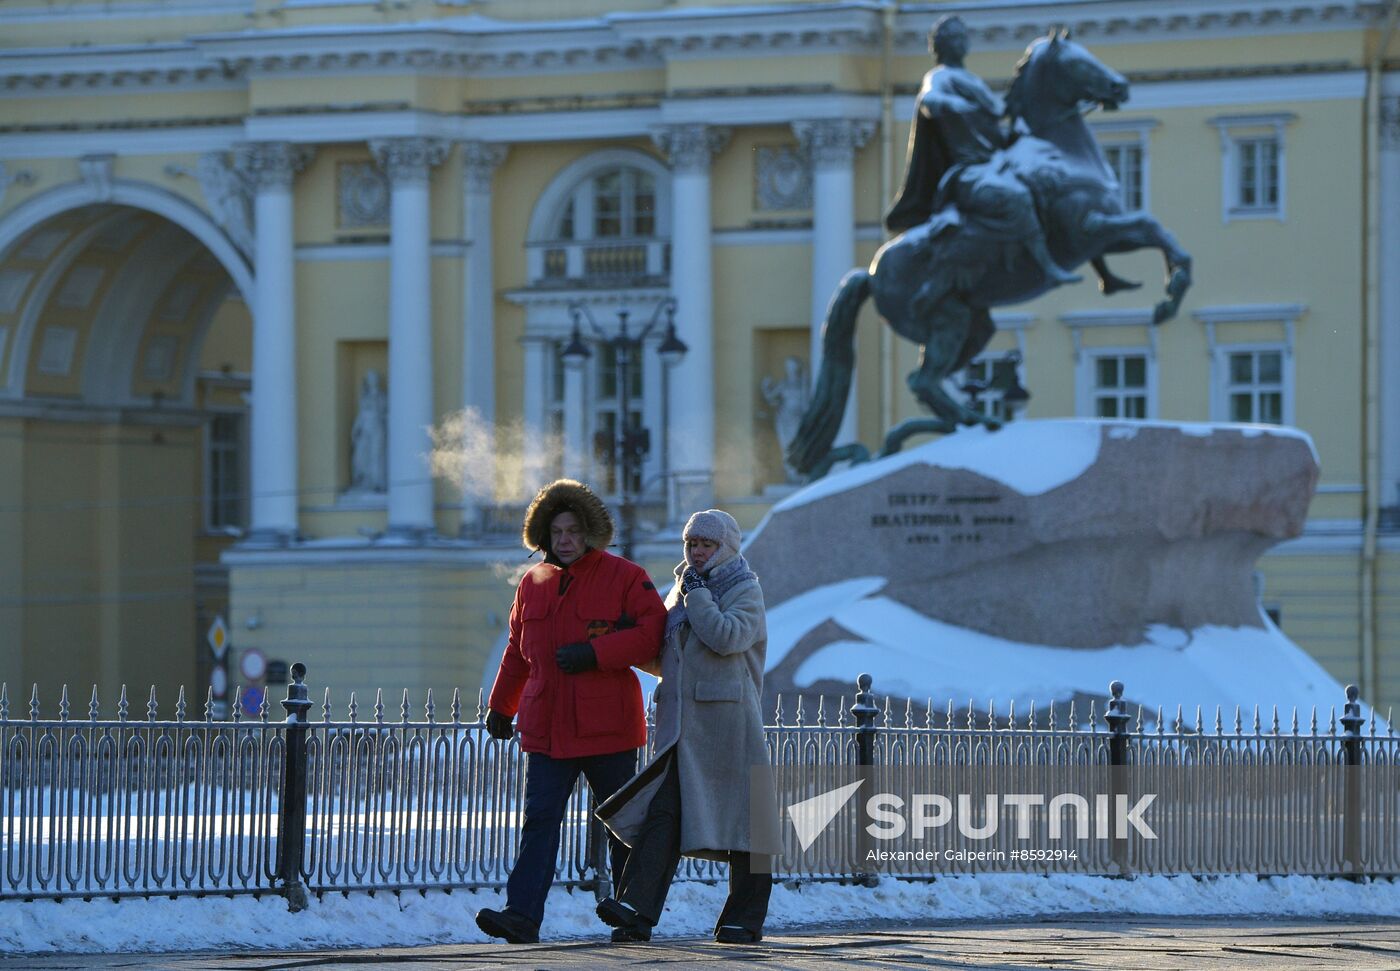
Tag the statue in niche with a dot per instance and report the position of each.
(369, 466)
(788, 399)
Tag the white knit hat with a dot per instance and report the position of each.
(717, 526)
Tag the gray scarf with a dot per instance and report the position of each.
(719, 581)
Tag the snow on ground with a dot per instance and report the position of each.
(359, 920)
(910, 655)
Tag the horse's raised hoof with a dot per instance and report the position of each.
(1114, 285)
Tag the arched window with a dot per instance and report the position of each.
(602, 224)
(599, 233)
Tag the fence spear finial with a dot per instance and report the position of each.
(94, 708)
(63, 708)
(180, 706)
(354, 709)
(379, 706)
(404, 708)
(429, 708)
(326, 706)
(456, 706)
(5, 702)
(34, 703)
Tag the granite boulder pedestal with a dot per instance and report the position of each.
(1041, 561)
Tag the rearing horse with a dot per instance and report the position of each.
(937, 288)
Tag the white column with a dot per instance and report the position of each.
(653, 384)
(576, 451)
(532, 448)
(692, 411)
(479, 163)
(407, 161)
(831, 146)
(1390, 301)
(270, 168)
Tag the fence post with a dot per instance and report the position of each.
(1116, 717)
(1351, 753)
(291, 824)
(864, 712)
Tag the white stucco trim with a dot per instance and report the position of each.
(127, 143)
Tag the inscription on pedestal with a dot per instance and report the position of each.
(931, 519)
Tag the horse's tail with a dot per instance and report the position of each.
(823, 417)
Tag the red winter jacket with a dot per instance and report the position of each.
(600, 598)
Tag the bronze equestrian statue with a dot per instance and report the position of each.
(987, 216)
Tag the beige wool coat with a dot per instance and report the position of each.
(708, 718)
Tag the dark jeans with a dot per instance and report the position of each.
(646, 878)
(548, 783)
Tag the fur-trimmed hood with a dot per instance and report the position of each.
(567, 495)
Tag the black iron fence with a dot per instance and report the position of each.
(140, 806)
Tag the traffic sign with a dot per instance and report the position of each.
(253, 665)
(218, 637)
(252, 701)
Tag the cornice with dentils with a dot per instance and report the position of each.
(475, 45)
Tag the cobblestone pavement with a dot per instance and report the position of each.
(1112, 944)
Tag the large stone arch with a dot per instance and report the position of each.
(76, 195)
(107, 549)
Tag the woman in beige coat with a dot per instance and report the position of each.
(708, 791)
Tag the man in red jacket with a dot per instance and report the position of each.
(580, 621)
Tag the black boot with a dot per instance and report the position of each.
(733, 934)
(512, 928)
(630, 925)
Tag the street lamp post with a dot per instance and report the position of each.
(628, 445)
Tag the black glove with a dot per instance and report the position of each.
(498, 726)
(690, 580)
(576, 658)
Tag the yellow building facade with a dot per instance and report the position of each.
(285, 287)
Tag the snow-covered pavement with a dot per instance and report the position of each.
(412, 919)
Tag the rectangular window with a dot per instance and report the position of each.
(1257, 173)
(1254, 170)
(224, 495)
(607, 205)
(1120, 386)
(1254, 390)
(983, 382)
(1126, 161)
